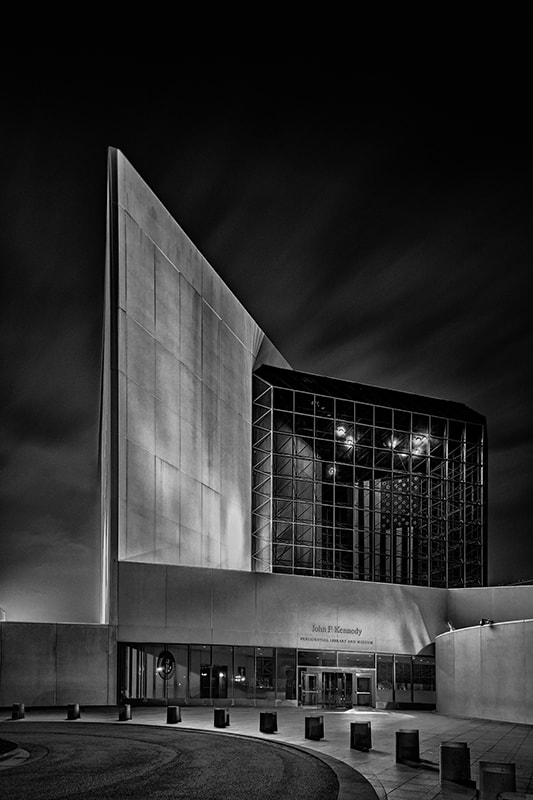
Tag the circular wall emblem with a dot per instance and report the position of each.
(166, 665)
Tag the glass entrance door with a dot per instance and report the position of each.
(364, 695)
(337, 689)
(310, 683)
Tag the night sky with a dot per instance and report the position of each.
(376, 226)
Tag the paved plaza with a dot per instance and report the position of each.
(488, 741)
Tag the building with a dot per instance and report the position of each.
(268, 536)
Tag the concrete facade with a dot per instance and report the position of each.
(177, 393)
(498, 603)
(485, 671)
(179, 604)
(56, 664)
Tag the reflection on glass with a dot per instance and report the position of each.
(371, 470)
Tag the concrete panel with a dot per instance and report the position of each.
(167, 434)
(211, 516)
(498, 672)
(234, 315)
(167, 304)
(211, 348)
(210, 413)
(491, 675)
(236, 378)
(235, 535)
(142, 595)
(44, 664)
(212, 287)
(445, 671)
(121, 246)
(28, 664)
(82, 664)
(192, 264)
(140, 261)
(500, 603)
(167, 541)
(140, 480)
(236, 454)
(140, 535)
(140, 356)
(191, 503)
(191, 546)
(190, 398)
(122, 404)
(140, 416)
(234, 605)
(189, 604)
(528, 672)
(167, 378)
(191, 327)
(168, 482)
(149, 213)
(211, 548)
(467, 663)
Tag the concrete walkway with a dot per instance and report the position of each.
(488, 741)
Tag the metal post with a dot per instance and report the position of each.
(73, 711)
(407, 746)
(455, 762)
(18, 711)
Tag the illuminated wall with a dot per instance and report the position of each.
(176, 413)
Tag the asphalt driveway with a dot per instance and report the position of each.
(97, 761)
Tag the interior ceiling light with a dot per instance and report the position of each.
(349, 441)
(340, 431)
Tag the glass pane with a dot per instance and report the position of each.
(221, 671)
(243, 675)
(199, 671)
(177, 679)
(423, 680)
(384, 679)
(365, 660)
(403, 679)
(285, 674)
(264, 673)
(317, 658)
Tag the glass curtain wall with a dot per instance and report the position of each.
(206, 674)
(224, 675)
(354, 490)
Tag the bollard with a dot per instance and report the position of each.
(227, 719)
(314, 728)
(220, 717)
(124, 713)
(73, 711)
(496, 778)
(455, 762)
(268, 722)
(360, 736)
(173, 715)
(407, 746)
(18, 711)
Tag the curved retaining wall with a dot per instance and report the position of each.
(486, 671)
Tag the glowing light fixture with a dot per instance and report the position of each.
(393, 442)
(340, 431)
(349, 441)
